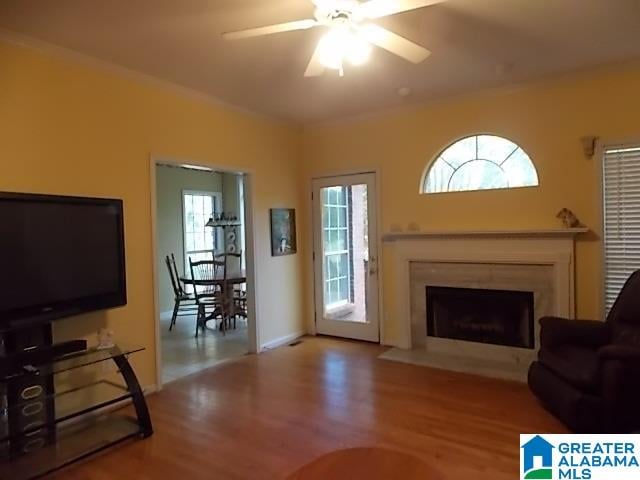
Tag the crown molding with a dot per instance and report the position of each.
(509, 88)
(46, 48)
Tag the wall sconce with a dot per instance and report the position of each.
(589, 146)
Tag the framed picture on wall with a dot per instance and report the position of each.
(283, 232)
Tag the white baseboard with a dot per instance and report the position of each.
(149, 389)
(279, 342)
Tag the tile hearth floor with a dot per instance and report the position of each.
(485, 367)
(183, 354)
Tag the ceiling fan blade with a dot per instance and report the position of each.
(315, 68)
(270, 29)
(383, 8)
(394, 43)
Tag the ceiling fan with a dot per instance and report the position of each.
(350, 34)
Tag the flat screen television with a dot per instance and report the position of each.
(59, 256)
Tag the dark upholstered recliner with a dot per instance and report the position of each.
(588, 372)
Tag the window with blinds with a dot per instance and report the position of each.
(621, 191)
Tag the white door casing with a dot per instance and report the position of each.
(346, 256)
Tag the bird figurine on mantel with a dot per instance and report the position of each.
(568, 218)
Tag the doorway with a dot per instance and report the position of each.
(346, 256)
(201, 214)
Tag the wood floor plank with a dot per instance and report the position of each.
(266, 416)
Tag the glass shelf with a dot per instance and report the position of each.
(72, 402)
(79, 359)
(72, 443)
(224, 224)
(91, 356)
(64, 427)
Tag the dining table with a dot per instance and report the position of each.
(234, 277)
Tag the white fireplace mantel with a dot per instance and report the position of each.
(548, 233)
(553, 249)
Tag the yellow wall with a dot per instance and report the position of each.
(547, 119)
(66, 128)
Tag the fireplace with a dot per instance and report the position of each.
(538, 261)
(496, 317)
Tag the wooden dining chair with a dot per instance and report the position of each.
(238, 307)
(209, 293)
(176, 275)
(184, 303)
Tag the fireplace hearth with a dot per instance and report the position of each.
(496, 317)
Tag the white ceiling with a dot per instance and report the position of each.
(475, 44)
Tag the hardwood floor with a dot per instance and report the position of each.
(264, 417)
(367, 463)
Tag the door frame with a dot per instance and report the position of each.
(310, 232)
(253, 323)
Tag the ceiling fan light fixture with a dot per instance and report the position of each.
(341, 43)
(350, 37)
(358, 50)
(330, 49)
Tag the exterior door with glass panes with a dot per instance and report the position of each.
(346, 256)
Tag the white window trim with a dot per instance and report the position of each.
(340, 303)
(602, 147)
(241, 218)
(219, 233)
(425, 173)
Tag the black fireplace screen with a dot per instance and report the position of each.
(498, 317)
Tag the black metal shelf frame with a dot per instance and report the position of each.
(78, 426)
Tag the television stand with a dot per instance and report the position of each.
(87, 390)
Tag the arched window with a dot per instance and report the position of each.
(480, 162)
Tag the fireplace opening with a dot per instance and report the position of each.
(497, 317)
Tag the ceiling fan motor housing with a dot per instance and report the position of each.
(338, 12)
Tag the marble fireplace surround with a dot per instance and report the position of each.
(540, 261)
